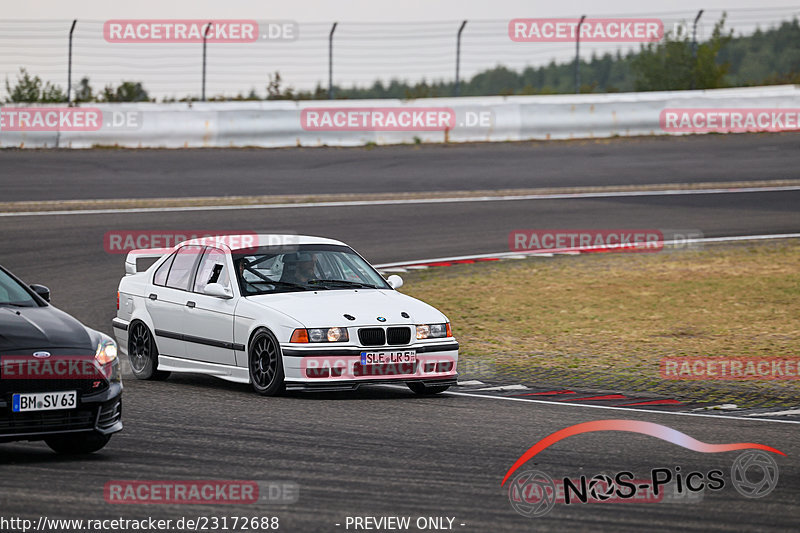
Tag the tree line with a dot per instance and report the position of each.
(763, 58)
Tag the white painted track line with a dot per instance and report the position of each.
(361, 203)
(777, 413)
(574, 251)
(627, 409)
(502, 388)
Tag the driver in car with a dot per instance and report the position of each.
(244, 284)
(298, 268)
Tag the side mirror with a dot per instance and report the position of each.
(215, 289)
(395, 281)
(42, 291)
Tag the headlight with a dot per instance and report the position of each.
(336, 334)
(433, 331)
(106, 352)
(320, 335)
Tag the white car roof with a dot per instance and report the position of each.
(251, 240)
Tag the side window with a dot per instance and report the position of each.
(161, 274)
(212, 269)
(180, 275)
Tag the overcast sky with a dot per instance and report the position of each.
(411, 40)
(361, 10)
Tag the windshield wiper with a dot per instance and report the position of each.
(344, 282)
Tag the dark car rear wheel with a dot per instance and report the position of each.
(77, 442)
(266, 364)
(422, 389)
(143, 354)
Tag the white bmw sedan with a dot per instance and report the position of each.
(279, 312)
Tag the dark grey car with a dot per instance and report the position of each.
(59, 380)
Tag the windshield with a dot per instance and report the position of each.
(12, 293)
(302, 268)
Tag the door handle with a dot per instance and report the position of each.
(153, 296)
(190, 304)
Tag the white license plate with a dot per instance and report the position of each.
(384, 358)
(44, 401)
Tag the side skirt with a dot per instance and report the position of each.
(229, 373)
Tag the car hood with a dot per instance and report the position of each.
(41, 328)
(327, 308)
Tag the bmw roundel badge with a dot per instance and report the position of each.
(381, 319)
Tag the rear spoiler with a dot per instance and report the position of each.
(133, 257)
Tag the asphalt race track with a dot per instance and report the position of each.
(383, 451)
(66, 252)
(77, 174)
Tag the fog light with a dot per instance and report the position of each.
(444, 367)
(317, 372)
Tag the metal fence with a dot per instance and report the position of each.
(356, 53)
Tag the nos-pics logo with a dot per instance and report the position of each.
(533, 493)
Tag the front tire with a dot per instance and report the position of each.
(265, 362)
(143, 353)
(77, 443)
(425, 390)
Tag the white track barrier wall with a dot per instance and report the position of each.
(277, 123)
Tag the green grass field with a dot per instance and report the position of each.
(607, 319)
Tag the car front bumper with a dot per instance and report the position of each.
(326, 368)
(346, 385)
(99, 412)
